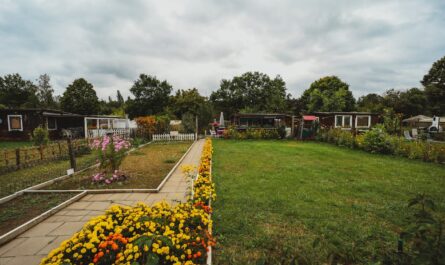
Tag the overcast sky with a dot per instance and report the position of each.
(372, 45)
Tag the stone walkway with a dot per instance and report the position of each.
(34, 244)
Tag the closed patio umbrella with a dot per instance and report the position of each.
(221, 119)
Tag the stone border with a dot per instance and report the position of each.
(36, 220)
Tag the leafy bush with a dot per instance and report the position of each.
(251, 133)
(338, 137)
(376, 141)
(40, 136)
(425, 234)
(282, 132)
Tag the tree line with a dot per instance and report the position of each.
(247, 93)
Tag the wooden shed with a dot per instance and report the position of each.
(348, 120)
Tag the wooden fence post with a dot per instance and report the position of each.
(17, 157)
(60, 149)
(71, 154)
(41, 152)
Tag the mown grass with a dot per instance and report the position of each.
(146, 168)
(280, 201)
(27, 177)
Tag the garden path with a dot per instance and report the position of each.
(35, 244)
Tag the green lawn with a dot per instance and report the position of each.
(284, 200)
(14, 144)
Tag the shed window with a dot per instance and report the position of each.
(343, 121)
(51, 123)
(363, 121)
(15, 123)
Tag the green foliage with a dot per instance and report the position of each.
(188, 122)
(282, 131)
(186, 102)
(376, 141)
(16, 92)
(251, 133)
(45, 92)
(434, 82)
(371, 103)
(151, 96)
(328, 94)
(80, 98)
(40, 136)
(338, 137)
(392, 121)
(425, 234)
(252, 90)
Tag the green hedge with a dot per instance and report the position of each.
(250, 133)
(378, 141)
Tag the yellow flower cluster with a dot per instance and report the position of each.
(161, 234)
(204, 188)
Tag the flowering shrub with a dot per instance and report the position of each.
(110, 152)
(160, 234)
(102, 178)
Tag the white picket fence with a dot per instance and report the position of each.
(122, 132)
(175, 137)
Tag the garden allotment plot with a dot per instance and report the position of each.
(282, 200)
(146, 168)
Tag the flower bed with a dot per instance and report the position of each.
(161, 234)
(378, 141)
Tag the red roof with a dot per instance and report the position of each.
(309, 118)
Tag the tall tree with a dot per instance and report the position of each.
(151, 96)
(412, 102)
(186, 101)
(434, 83)
(328, 94)
(45, 92)
(80, 97)
(15, 92)
(250, 92)
(371, 103)
(120, 99)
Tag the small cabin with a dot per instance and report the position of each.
(261, 120)
(359, 121)
(18, 124)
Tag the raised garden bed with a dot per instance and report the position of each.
(145, 167)
(28, 206)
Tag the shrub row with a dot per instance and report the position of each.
(251, 133)
(161, 234)
(377, 140)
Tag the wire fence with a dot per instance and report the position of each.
(23, 157)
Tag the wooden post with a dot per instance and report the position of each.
(17, 157)
(41, 152)
(60, 149)
(71, 154)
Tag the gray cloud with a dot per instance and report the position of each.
(372, 45)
